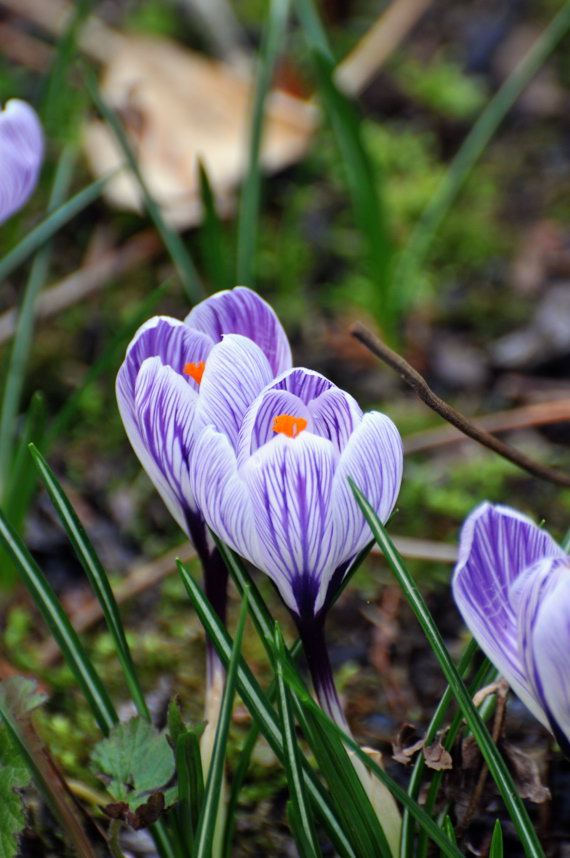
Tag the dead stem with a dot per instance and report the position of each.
(413, 378)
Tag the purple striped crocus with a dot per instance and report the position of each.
(512, 586)
(281, 498)
(178, 377)
(21, 154)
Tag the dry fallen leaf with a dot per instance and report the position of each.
(178, 106)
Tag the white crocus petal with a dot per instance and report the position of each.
(290, 483)
(543, 606)
(242, 311)
(373, 459)
(335, 415)
(162, 435)
(221, 495)
(257, 426)
(236, 372)
(497, 544)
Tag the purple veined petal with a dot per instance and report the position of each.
(162, 434)
(304, 383)
(221, 495)
(242, 311)
(257, 426)
(335, 416)
(171, 341)
(236, 372)
(542, 603)
(373, 459)
(21, 154)
(497, 544)
(290, 483)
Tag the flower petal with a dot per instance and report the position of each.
(242, 311)
(542, 603)
(304, 383)
(290, 483)
(171, 341)
(221, 494)
(335, 416)
(373, 459)
(257, 426)
(498, 544)
(236, 372)
(21, 154)
(162, 434)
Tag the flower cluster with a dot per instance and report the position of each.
(21, 154)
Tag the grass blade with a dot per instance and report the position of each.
(211, 235)
(67, 639)
(496, 850)
(214, 782)
(22, 343)
(250, 193)
(472, 148)
(190, 785)
(96, 575)
(48, 228)
(299, 810)
(172, 241)
(22, 474)
(493, 758)
(255, 700)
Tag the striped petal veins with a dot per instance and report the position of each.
(21, 155)
(282, 499)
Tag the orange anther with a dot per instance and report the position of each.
(195, 370)
(288, 425)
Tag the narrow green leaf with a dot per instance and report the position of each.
(172, 241)
(493, 758)
(472, 148)
(67, 639)
(96, 575)
(23, 336)
(363, 182)
(351, 802)
(48, 228)
(435, 833)
(449, 829)
(212, 242)
(215, 780)
(106, 361)
(272, 43)
(300, 811)
(496, 850)
(23, 474)
(190, 785)
(257, 703)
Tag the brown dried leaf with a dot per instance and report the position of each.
(436, 756)
(406, 744)
(143, 816)
(177, 106)
(525, 773)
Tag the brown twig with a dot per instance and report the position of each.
(426, 394)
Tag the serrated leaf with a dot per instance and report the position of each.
(135, 762)
(18, 696)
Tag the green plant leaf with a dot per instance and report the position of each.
(136, 762)
(20, 697)
(496, 850)
(497, 766)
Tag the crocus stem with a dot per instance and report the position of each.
(313, 637)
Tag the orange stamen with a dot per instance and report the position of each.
(195, 370)
(288, 425)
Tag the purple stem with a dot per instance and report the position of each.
(312, 634)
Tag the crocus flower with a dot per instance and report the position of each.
(281, 496)
(178, 376)
(21, 154)
(512, 586)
